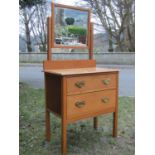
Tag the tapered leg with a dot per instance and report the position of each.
(64, 138)
(48, 129)
(64, 116)
(95, 123)
(115, 121)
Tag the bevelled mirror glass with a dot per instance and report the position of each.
(71, 27)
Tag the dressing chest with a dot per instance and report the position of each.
(77, 89)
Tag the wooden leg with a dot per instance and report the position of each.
(115, 121)
(95, 123)
(64, 138)
(48, 132)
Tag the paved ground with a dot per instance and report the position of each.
(33, 75)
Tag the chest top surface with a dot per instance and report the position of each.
(79, 71)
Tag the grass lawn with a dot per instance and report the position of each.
(82, 138)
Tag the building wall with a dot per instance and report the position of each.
(123, 58)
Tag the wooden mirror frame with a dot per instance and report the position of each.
(54, 5)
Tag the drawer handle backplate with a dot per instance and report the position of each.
(80, 84)
(105, 99)
(80, 104)
(106, 81)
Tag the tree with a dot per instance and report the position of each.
(29, 3)
(69, 21)
(39, 25)
(27, 11)
(118, 19)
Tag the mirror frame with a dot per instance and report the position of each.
(54, 5)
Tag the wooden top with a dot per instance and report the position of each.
(78, 71)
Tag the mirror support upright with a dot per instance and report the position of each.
(49, 29)
(91, 45)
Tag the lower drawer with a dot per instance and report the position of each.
(89, 103)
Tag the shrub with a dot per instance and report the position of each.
(77, 30)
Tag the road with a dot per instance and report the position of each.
(32, 74)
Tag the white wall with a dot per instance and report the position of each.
(124, 58)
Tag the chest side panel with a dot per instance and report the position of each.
(53, 92)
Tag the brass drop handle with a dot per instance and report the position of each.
(80, 104)
(105, 99)
(106, 81)
(80, 84)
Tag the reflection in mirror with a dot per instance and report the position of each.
(71, 27)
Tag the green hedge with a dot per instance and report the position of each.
(77, 30)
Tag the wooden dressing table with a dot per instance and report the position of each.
(77, 89)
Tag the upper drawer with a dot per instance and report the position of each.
(80, 84)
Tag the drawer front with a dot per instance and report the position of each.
(89, 103)
(90, 83)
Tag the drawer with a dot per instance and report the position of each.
(90, 103)
(80, 84)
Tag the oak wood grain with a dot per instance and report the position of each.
(59, 65)
(64, 116)
(49, 33)
(90, 115)
(53, 92)
(92, 103)
(95, 123)
(53, 6)
(78, 71)
(91, 83)
(47, 114)
(77, 89)
(115, 114)
(91, 46)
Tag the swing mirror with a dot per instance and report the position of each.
(71, 26)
